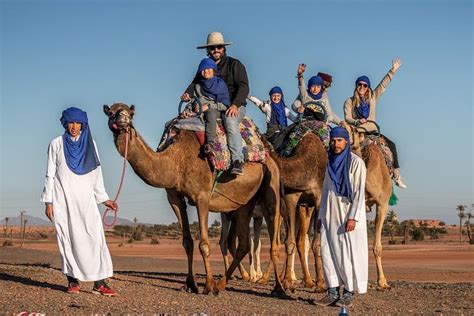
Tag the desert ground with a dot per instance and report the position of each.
(429, 277)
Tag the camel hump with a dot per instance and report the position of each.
(297, 131)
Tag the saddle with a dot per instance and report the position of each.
(380, 142)
(217, 152)
(297, 131)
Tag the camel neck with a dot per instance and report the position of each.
(155, 169)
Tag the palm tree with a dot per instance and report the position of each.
(468, 225)
(461, 215)
(392, 219)
(5, 231)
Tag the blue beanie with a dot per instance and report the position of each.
(207, 63)
(339, 132)
(315, 81)
(364, 79)
(275, 89)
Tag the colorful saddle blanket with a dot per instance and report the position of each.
(380, 142)
(218, 153)
(320, 129)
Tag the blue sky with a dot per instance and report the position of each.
(56, 54)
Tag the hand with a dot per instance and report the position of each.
(300, 109)
(186, 114)
(49, 211)
(232, 111)
(185, 97)
(301, 69)
(396, 63)
(205, 107)
(362, 121)
(350, 225)
(111, 204)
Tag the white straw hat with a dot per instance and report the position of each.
(214, 39)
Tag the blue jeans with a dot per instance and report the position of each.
(234, 139)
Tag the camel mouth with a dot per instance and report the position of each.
(118, 127)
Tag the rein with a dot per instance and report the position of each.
(127, 131)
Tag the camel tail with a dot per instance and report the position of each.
(393, 198)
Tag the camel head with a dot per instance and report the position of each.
(120, 117)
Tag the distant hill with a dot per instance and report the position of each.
(36, 221)
(32, 221)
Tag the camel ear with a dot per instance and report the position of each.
(132, 109)
(106, 109)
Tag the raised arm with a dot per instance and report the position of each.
(396, 63)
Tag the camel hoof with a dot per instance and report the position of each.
(221, 285)
(384, 287)
(262, 281)
(319, 289)
(246, 277)
(289, 285)
(309, 284)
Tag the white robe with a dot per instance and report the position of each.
(78, 223)
(345, 254)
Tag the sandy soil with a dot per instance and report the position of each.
(426, 277)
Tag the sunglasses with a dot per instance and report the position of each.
(360, 84)
(217, 47)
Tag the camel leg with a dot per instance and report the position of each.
(290, 201)
(232, 242)
(202, 206)
(225, 229)
(257, 229)
(241, 223)
(379, 218)
(179, 207)
(316, 246)
(304, 212)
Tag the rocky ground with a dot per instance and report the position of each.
(41, 288)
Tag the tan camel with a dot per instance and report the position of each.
(302, 176)
(184, 173)
(378, 188)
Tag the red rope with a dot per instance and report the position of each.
(119, 188)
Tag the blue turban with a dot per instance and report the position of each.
(364, 79)
(81, 156)
(207, 63)
(315, 81)
(278, 113)
(339, 165)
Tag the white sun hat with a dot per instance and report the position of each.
(214, 39)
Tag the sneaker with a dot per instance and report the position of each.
(237, 168)
(73, 288)
(328, 299)
(399, 182)
(345, 300)
(104, 289)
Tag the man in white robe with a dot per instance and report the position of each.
(344, 248)
(73, 187)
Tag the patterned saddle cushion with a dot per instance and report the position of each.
(218, 153)
(319, 128)
(379, 141)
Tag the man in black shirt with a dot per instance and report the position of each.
(234, 74)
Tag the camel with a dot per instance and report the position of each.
(378, 188)
(185, 174)
(302, 177)
(228, 243)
